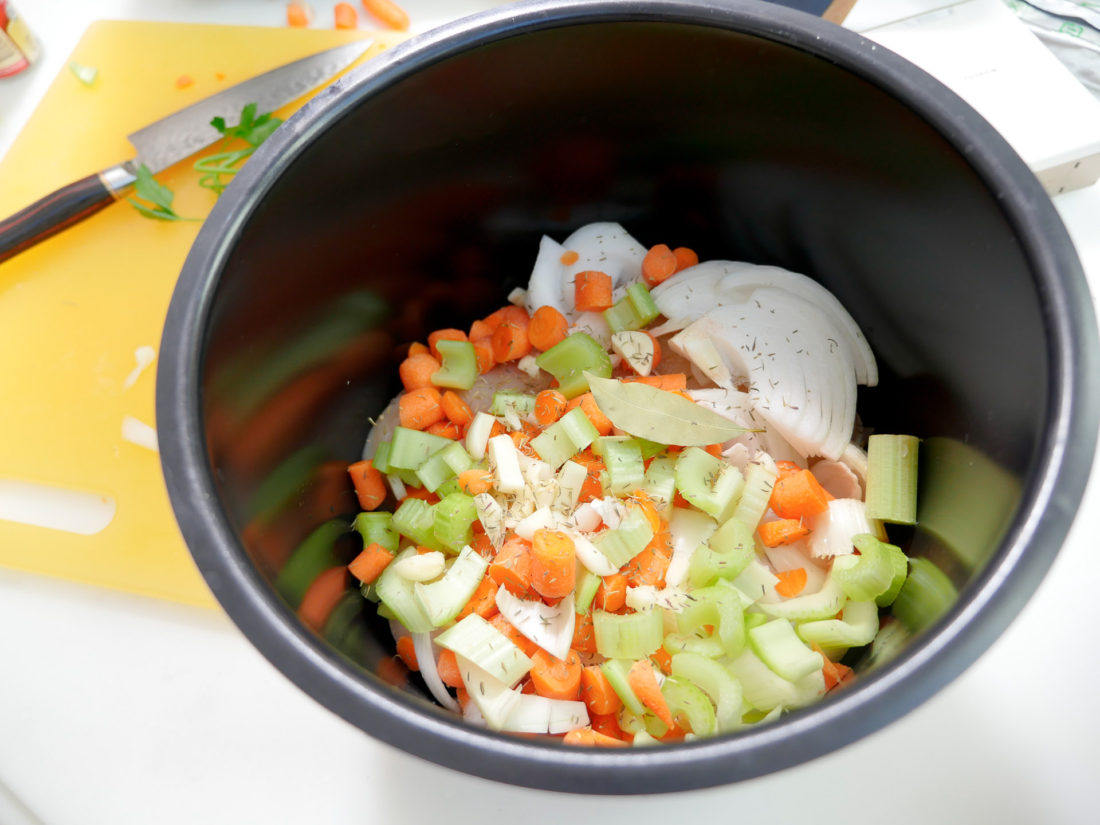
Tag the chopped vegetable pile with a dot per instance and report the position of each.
(634, 505)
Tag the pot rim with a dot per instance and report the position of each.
(985, 607)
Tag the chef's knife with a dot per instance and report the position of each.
(168, 141)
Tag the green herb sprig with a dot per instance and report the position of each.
(159, 197)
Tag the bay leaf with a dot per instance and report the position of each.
(657, 415)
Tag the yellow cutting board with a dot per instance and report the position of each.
(75, 309)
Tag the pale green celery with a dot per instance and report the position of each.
(892, 478)
(617, 671)
(823, 604)
(454, 519)
(570, 359)
(443, 465)
(754, 619)
(475, 639)
(449, 486)
(644, 304)
(623, 458)
(634, 310)
(926, 595)
(411, 448)
(869, 574)
(718, 606)
(377, 528)
(368, 592)
(756, 494)
(444, 598)
(699, 643)
(660, 481)
(415, 519)
(459, 370)
(856, 627)
(505, 401)
(684, 697)
(399, 597)
(585, 591)
(627, 540)
(725, 555)
(629, 721)
(564, 438)
(715, 681)
(761, 687)
(381, 458)
(644, 739)
(708, 483)
(778, 646)
(628, 635)
(900, 563)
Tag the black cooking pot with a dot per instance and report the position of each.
(411, 196)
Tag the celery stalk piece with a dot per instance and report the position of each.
(725, 555)
(868, 575)
(627, 540)
(708, 483)
(381, 458)
(444, 598)
(900, 563)
(623, 458)
(643, 739)
(634, 310)
(718, 606)
(399, 596)
(377, 528)
(314, 555)
(628, 635)
(717, 683)
(415, 519)
(505, 401)
(564, 438)
(475, 639)
(707, 645)
(493, 697)
(892, 478)
(454, 519)
(761, 687)
(570, 359)
(856, 627)
(824, 604)
(778, 646)
(926, 595)
(411, 448)
(629, 721)
(449, 486)
(659, 482)
(459, 370)
(759, 480)
(616, 671)
(684, 697)
(442, 466)
(587, 585)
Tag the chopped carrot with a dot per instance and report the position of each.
(392, 670)
(345, 16)
(597, 693)
(786, 468)
(483, 602)
(447, 668)
(421, 493)
(407, 652)
(569, 257)
(184, 80)
(584, 634)
(416, 371)
(370, 487)
(670, 381)
(714, 449)
(591, 410)
(420, 408)
(553, 564)
(511, 312)
(657, 354)
(592, 487)
(798, 496)
(416, 348)
(658, 265)
(649, 509)
(649, 566)
(370, 563)
(444, 335)
(388, 13)
(458, 412)
(475, 481)
(511, 568)
(606, 723)
(479, 330)
(835, 673)
(445, 429)
(643, 681)
(588, 737)
(611, 594)
(592, 291)
(556, 678)
(547, 328)
(518, 639)
(510, 342)
(322, 596)
(685, 257)
(297, 15)
(782, 531)
(663, 659)
(481, 543)
(791, 582)
(550, 405)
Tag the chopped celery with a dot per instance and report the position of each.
(622, 456)
(634, 310)
(643, 302)
(587, 585)
(926, 595)
(314, 555)
(643, 739)
(660, 481)
(754, 620)
(892, 478)
(868, 575)
(475, 639)
(725, 555)
(444, 598)
(856, 627)
(398, 595)
(715, 681)
(415, 519)
(628, 635)
(449, 486)
(778, 646)
(616, 671)
(443, 465)
(756, 494)
(684, 697)
(381, 458)
(720, 607)
(459, 370)
(900, 563)
(701, 645)
(454, 519)
(377, 528)
(627, 540)
(629, 721)
(564, 438)
(505, 401)
(708, 483)
(570, 359)
(824, 604)
(411, 448)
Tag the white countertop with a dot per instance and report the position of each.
(119, 709)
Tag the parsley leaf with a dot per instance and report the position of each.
(252, 130)
(160, 196)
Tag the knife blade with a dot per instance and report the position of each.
(168, 141)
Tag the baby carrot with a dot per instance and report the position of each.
(388, 13)
(475, 481)
(592, 291)
(322, 596)
(658, 265)
(511, 567)
(782, 531)
(447, 668)
(584, 634)
(550, 405)
(445, 429)
(547, 328)
(416, 348)
(791, 582)
(483, 349)
(685, 257)
(553, 564)
(458, 412)
(444, 335)
(611, 594)
(416, 371)
(370, 487)
(479, 330)
(798, 495)
(643, 681)
(556, 678)
(345, 16)
(407, 652)
(420, 408)
(511, 312)
(370, 563)
(510, 342)
(597, 693)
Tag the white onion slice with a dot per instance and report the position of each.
(532, 713)
(589, 555)
(544, 287)
(551, 628)
(832, 531)
(795, 555)
(425, 659)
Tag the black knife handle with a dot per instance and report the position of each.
(51, 214)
